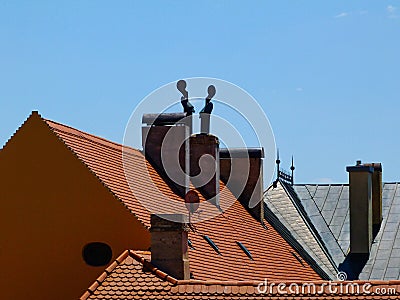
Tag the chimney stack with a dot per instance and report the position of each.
(244, 166)
(204, 165)
(165, 141)
(360, 186)
(169, 245)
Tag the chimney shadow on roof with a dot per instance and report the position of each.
(353, 265)
(176, 188)
(375, 230)
(355, 262)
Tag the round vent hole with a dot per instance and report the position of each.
(97, 254)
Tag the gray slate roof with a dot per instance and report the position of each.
(281, 203)
(327, 207)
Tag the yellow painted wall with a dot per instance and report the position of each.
(51, 206)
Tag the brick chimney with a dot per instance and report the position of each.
(360, 186)
(204, 165)
(234, 164)
(165, 141)
(169, 245)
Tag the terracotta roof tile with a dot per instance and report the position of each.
(157, 287)
(272, 255)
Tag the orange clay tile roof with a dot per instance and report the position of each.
(132, 276)
(273, 257)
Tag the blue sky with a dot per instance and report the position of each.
(327, 73)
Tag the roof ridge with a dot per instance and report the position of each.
(120, 146)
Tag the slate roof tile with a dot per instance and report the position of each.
(387, 242)
(395, 252)
(391, 273)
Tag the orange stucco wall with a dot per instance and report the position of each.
(51, 206)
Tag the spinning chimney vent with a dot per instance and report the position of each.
(206, 111)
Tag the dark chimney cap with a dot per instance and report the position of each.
(360, 168)
(163, 222)
(242, 153)
(162, 119)
(376, 166)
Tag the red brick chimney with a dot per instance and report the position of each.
(204, 165)
(241, 170)
(169, 245)
(165, 141)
